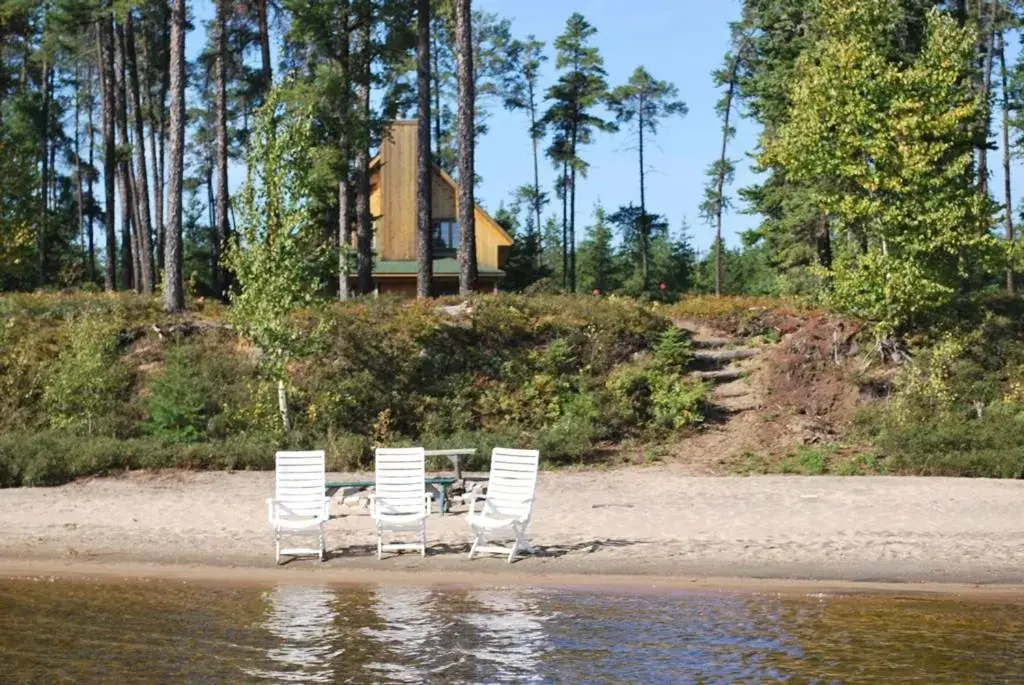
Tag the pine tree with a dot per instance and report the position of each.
(723, 169)
(521, 89)
(597, 263)
(644, 102)
(580, 88)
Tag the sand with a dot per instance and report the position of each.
(638, 525)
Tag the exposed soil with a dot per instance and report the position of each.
(780, 381)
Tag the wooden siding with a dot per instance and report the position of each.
(397, 239)
(393, 198)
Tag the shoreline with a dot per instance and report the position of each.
(632, 527)
(248, 576)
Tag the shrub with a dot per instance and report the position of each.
(87, 382)
(180, 403)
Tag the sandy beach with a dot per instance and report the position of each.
(634, 524)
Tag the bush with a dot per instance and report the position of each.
(87, 383)
(990, 445)
(180, 401)
(557, 372)
(55, 457)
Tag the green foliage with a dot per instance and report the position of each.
(191, 398)
(528, 371)
(56, 457)
(655, 391)
(274, 258)
(806, 461)
(958, 407)
(179, 402)
(673, 351)
(597, 260)
(889, 146)
(86, 383)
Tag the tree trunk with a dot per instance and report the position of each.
(121, 112)
(986, 90)
(1011, 286)
(77, 145)
(572, 213)
(282, 406)
(364, 236)
(106, 38)
(222, 233)
(565, 225)
(174, 291)
(344, 173)
(162, 116)
(424, 162)
(535, 140)
(261, 12)
(44, 146)
(435, 72)
(645, 227)
(823, 241)
(467, 178)
(136, 238)
(156, 230)
(91, 266)
(144, 227)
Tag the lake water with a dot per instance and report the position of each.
(58, 631)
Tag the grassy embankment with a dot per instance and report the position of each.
(93, 384)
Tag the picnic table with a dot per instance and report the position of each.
(443, 483)
(454, 455)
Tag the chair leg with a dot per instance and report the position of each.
(323, 542)
(477, 539)
(380, 542)
(521, 540)
(423, 539)
(277, 546)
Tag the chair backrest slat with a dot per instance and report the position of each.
(401, 473)
(512, 483)
(299, 481)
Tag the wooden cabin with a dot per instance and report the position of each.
(393, 185)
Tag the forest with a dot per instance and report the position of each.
(882, 125)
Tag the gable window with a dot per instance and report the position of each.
(446, 236)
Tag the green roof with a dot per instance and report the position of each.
(448, 266)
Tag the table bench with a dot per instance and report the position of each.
(443, 484)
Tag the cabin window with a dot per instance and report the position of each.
(446, 235)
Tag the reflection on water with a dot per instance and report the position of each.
(158, 632)
(301, 618)
(509, 626)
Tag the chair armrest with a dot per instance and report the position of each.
(472, 504)
(473, 500)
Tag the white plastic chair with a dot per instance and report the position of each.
(508, 505)
(299, 507)
(400, 503)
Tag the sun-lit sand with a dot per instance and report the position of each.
(640, 522)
